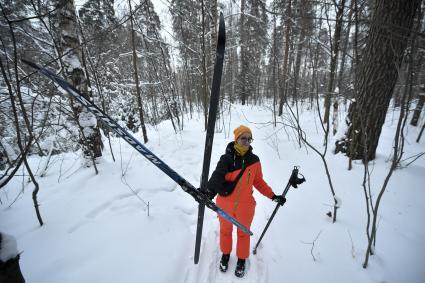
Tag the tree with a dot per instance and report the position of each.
(73, 71)
(156, 67)
(303, 29)
(253, 42)
(390, 28)
(335, 46)
(285, 76)
(187, 29)
(419, 106)
(136, 77)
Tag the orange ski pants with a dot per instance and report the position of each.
(244, 213)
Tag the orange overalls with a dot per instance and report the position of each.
(240, 203)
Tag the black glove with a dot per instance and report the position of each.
(210, 193)
(279, 199)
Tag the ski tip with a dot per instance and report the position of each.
(245, 230)
(221, 31)
(29, 63)
(221, 18)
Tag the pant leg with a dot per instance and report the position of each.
(226, 229)
(245, 215)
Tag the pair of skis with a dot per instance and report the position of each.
(199, 195)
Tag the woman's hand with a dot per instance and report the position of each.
(279, 199)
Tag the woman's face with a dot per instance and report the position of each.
(245, 140)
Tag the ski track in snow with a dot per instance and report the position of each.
(114, 205)
(207, 270)
(189, 211)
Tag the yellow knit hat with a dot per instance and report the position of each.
(240, 130)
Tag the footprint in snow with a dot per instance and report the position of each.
(186, 210)
(99, 209)
(77, 226)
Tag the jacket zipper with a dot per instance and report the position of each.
(239, 185)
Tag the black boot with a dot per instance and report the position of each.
(224, 262)
(240, 268)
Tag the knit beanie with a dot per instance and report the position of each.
(240, 130)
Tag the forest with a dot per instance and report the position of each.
(348, 63)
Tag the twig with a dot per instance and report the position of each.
(353, 252)
(124, 180)
(417, 156)
(313, 244)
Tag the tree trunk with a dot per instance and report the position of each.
(340, 79)
(420, 133)
(91, 139)
(244, 63)
(231, 67)
(389, 32)
(282, 97)
(213, 32)
(300, 47)
(136, 79)
(334, 62)
(204, 68)
(419, 106)
(274, 66)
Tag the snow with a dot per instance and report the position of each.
(72, 61)
(87, 119)
(162, 9)
(98, 230)
(6, 144)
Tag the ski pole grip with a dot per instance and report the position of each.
(294, 176)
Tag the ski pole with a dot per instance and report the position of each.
(293, 181)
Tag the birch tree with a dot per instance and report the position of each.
(90, 138)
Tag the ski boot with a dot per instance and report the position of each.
(240, 268)
(224, 262)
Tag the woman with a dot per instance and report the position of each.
(238, 170)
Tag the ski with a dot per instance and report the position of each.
(212, 115)
(199, 196)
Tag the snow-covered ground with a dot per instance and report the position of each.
(97, 230)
